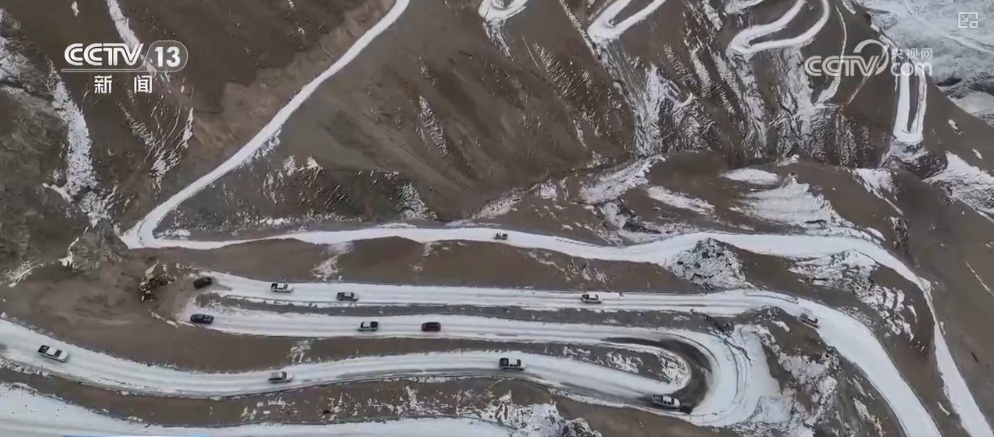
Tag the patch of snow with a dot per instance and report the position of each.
(121, 24)
(790, 160)
(680, 200)
(176, 233)
(498, 207)
(645, 88)
(851, 271)
(813, 378)
(791, 203)
(413, 208)
(878, 181)
(329, 267)
(68, 260)
(167, 159)
(20, 272)
(908, 128)
(81, 180)
(624, 362)
(495, 13)
(955, 126)
(612, 185)
(75, 9)
(299, 351)
(753, 176)
(977, 103)
(979, 156)
(266, 148)
(12, 62)
(546, 190)
(710, 263)
(60, 191)
(430, 129)
(943, 408)
(674, 369)
(966, 183)
(981, 281)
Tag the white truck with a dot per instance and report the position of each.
(280, 287)
(53, 353)
(510, 364)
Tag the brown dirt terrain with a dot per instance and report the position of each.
(367, 156)
(367, 400)
(947, 241)
(110, 317)
(802, 341)
(232, 92)
(400, 261)
(467, 153)
(480, 157)
(699, 175)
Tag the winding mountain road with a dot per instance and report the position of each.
(738, 365)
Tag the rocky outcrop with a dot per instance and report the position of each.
(578, 428)
(36, 221)
(98, 245)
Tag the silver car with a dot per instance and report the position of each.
(281, 376)
(590, 298)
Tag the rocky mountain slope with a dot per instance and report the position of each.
(569, 86)
(611, 122)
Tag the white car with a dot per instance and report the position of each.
(806, 317)
(666, 402)
(53, 353)
(590, 298)
(281, 287)
(369, 326)
(281, 376)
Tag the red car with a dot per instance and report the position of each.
(431, 327)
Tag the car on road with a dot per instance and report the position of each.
(369, 326)
(347, 296)
(281, 287)
(281, 376)
(590, 298)
(202, 319)
(53, 353)
(665, 402)
(431, 327)
(808, 318)
(509, 364)
(202, 282)
(500, 236)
